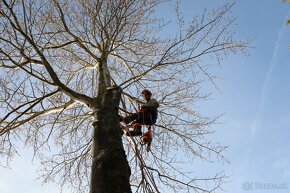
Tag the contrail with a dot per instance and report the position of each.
(265, 88)
(264, 93)
(242, 174)
(254, 129)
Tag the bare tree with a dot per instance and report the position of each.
(66, 66)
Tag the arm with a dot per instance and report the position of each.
(152, 104)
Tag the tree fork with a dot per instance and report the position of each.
(110, 169)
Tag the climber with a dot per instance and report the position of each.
(146, 115)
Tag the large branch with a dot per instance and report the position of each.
(74, 95)
(14, 124)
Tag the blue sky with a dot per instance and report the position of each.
(254, 97)
(255, 100)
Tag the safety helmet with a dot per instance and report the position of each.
(146, 92)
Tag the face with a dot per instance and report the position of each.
(146, 97)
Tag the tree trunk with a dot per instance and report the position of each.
(110, 168)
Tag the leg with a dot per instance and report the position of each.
(129, 118)
(137, 124)
(137, 130)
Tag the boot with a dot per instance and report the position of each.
(137, 130)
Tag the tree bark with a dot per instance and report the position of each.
(110, 169)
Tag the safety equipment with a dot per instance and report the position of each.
(147, 137)
(146, 92)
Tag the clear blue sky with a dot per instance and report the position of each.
(254, 97)
(255, 100)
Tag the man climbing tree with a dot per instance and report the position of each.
(68, 68)
(146, 115)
